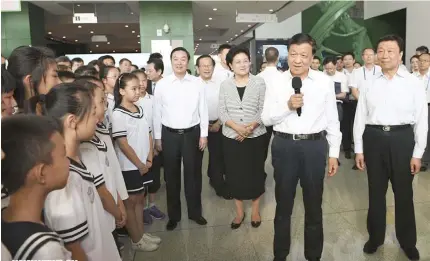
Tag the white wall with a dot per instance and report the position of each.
(417, 21)
(282, 30)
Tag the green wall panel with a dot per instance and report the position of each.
(179, 17)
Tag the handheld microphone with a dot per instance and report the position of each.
(297, 84)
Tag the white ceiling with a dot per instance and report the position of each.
(113, 15)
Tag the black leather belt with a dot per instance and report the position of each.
(313, 136)
(181, 131)
(389, 127)
(212, 122)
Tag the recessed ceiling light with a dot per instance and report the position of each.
(249, 25)
(235, 35)
(132, 13)
(108, 42)
(215, 9)
(113, 51)
(133, 32)
(226, 41)
(138, 42)
(241, 31)
(231, 38)
(126, 25)
(91, 32)
(270, 10)
(49, 32)
(76, 40)
(79, 26)
(207, 25)
(52, 38)
(78, 5)
(97, 45)
(210, 18)
(136, 51)
(64, 37)
(200, 39)
(138, 35)
(91, 51)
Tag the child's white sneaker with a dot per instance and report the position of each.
(151, 238)
(144, 246)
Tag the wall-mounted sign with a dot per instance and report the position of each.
(214, 46)
(256, 18)
(159, 32)
(84, 18)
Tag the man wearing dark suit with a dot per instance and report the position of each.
(154, 71)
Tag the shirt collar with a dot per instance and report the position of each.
(187, 77)
(211, 80)
(311, 74)
(400, 72)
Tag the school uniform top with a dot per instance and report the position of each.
(94, 156)
(135, 128)
(242, 111)
(397, 101)
(362, 74)
(76, 213)
(180, 104)
(32, 241)
(211, 88)
(103, 133)
(108, 114)
(319, 112)
(147, 103)
(341, 79)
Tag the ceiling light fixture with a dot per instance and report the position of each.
(270, 10)
(249, 25)
(49, 32)
(241, 31)
(136, 51)
(91, 32)
(113, 51)
(235, 35)
(132, 13)
(91, 51)
(215, 9)
(200, 39)
(226, 41)
(79, 26)
(64, 37)
(207, 25)
(97, 45)
(108, 42)
(138, 35)
(138, 42)
(133, 32)
(78, 5)
(210, 18)
(76, 40)
(126, 25)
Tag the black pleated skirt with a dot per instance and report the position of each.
(244, 167)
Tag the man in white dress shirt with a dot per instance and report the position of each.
(299, 146)
(424, 77)
(349, 106)
(270, 75)
(390, 135)
(362, 74)
(205, 67)
(222, 71)
(340, 83)
(180, 131)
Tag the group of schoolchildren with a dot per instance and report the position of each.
(76, 160)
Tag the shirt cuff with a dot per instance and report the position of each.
(334, 152)
(358, 148)
(418, 153)
(157, 135)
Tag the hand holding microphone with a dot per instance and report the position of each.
(296, 100)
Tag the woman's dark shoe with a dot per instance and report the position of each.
(256, 224)
(235, 225)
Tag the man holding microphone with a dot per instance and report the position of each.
(299, 148)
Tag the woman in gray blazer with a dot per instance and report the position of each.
(240, 106)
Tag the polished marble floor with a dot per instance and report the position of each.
(344, 207)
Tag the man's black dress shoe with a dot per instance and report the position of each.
(313, 259)
(370, 248)
(423, 168)
(348, 154)
(412, 253)
(171, 225)
(200, 220)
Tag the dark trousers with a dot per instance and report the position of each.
(269, 133)
(155, 170)
(177, 148)
(387, 156)
(216, 168)
(340, 110)
(292, 161)
(347, 123)
(426, 156)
